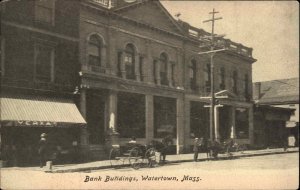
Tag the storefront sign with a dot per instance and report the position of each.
(35, 123)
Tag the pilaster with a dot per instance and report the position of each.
(180, 126)
(122, 65)
(251, 127)
(149, 117)
(83, 132)
(187, 125)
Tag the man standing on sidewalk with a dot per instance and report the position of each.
(196, 149)
(42, 149)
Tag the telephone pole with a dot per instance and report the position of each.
(212, 52)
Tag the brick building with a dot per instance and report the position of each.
(136, 68)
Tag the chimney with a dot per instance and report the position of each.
(257, 91)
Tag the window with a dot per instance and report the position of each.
(133, 122)
(164, 116)
(44, 11)
(154, 70)
(242, 123)
(192, 75)
(164, 69)
(44, 63)
(246, 86)
(94, 50)
(141, 65)
(129, 61)
(173, 73)
(119, 64)
(234, 81)
(207, 78)
(222, 79)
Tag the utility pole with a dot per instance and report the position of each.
(212, 52)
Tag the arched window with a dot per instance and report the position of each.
(94, 50)
(129, 61)
(164, 69)
(234, 81)
(207, 78)
(192, 74)
(222, 78)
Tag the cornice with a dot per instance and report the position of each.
(111, 14)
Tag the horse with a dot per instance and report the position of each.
(162, 146)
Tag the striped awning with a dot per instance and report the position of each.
(39, 111)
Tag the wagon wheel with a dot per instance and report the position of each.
(115, 158)
(150, 156)
(241, 148)
(135, 160)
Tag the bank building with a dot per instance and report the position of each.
(84, 70)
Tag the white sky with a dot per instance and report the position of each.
(271, 28)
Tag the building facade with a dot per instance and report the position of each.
(139, 74)
(277, 95)
(39, 72)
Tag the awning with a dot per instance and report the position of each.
(39, 111)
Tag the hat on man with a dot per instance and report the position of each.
(43, 135)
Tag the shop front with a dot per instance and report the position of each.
(24, 119)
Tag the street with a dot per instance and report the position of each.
(273, 172)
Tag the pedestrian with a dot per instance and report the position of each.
(42, 149)
(196, 149)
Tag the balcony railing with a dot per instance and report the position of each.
(102, 2)
(235, 47)
(94, 68)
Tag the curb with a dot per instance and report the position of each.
(173, 161)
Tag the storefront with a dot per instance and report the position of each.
(23, 119)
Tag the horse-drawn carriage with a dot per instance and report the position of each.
(213, 148)
(137, 155)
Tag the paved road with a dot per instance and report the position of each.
(272, 172)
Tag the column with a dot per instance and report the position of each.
(112, 118)
(180, 68)
(216, 113)
(112, 110)
(149, 117)
(232, 126)
(180, 125)
(148, 64)
(157, 72)
(112, 55)
(251, 127)
(187, 125)
(137, 67)
(83, 133)
(122, 65)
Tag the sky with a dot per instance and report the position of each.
(271, 28)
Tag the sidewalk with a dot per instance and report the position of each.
(170, 159)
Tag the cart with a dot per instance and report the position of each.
(135, 155)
